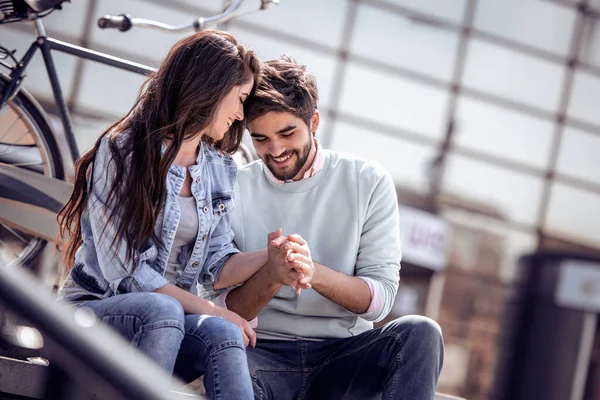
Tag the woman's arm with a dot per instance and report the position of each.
(193, 304)
(240, 267)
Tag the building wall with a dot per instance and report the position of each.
(520, 79)
(471, 313)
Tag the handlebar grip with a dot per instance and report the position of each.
(121, 22)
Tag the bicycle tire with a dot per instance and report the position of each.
(31, 114)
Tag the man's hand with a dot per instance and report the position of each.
(281, 271)
(248, 299)
(247, 332)
(298, 255)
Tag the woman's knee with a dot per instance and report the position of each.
(215, 331)
(158, 308)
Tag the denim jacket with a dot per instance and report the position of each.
(100, 269)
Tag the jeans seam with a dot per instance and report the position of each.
(304, 369)
(254, 375)
(163, 324)
(255, 385)
(215, 371)
(398, 362)
(283, 369)
(149, 327)
(229, 343)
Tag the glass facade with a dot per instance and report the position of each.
(521, 79)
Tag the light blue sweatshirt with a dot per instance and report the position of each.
(348, 214)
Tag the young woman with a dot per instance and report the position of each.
(149, 216)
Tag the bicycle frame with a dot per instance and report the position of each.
(34, 205)
(46, 44)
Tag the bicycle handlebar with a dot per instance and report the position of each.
(124, 22)
(121, 22)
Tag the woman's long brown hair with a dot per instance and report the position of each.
(176, 102)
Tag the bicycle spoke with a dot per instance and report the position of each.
(19, 149)
(28, 157)
(5, 247)
(12, 145)
(29, 164)
(15, 233)
(17, 119)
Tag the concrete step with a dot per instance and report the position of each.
(439, 396)
(26, 378)
(21, 378)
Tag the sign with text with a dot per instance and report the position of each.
(424, 237)
(579, 285)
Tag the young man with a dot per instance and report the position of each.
(339, 217)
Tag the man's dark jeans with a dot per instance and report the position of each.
(401, 360)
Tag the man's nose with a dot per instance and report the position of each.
(276, 148)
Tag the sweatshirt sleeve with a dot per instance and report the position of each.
(379, 252)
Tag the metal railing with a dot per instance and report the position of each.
(86, 359)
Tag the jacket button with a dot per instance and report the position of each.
(198, 180)
(204, 237)
(195, 264)
(205, 209)
(221, 206)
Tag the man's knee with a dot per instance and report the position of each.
(426, 329)
(420, 336)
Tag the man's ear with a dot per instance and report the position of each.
(314, 122)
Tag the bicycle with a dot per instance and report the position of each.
(32, 172)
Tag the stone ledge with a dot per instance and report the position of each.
(21, 378)
(26, 379)
(439, 396)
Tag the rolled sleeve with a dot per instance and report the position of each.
(376, 300)
(148, 279)
(143, 279)
(214, 269)
(220, 249)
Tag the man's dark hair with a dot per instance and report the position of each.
(285, 86)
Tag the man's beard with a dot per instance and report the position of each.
(301, 159)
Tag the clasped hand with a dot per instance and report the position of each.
(290, 261)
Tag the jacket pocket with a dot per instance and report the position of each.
(222, 203)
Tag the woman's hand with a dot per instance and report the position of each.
(193, 304)
(247, 332)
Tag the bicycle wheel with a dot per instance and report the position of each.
(26, 141)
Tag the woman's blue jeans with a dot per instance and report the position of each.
(187, 346)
